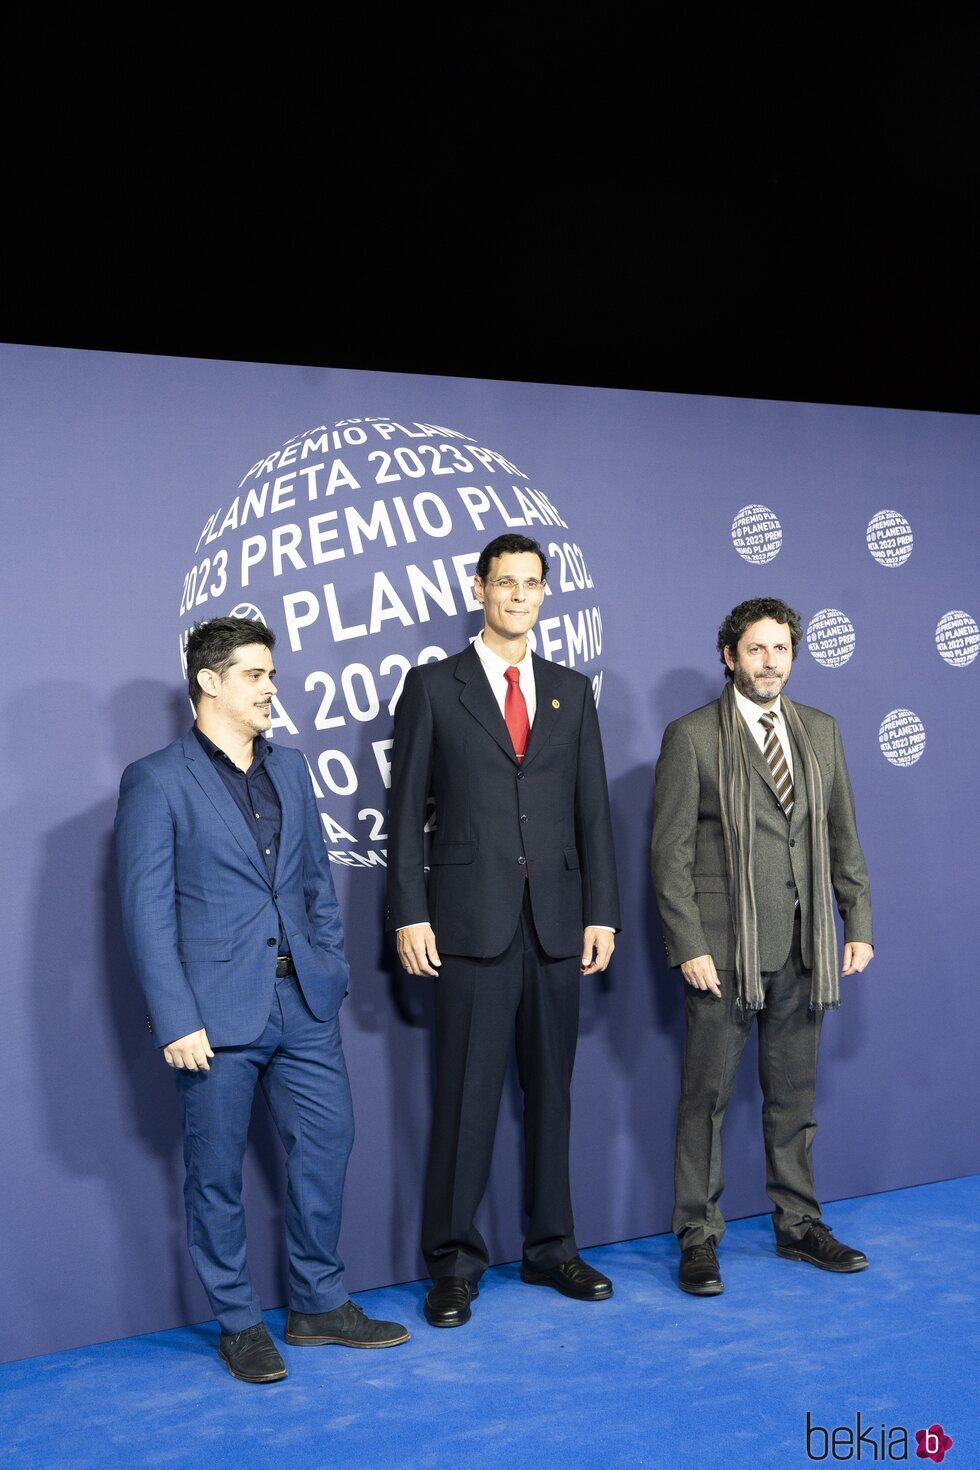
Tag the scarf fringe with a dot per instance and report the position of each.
(815, 1005)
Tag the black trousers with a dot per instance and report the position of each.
(789, 1040)
(482, 1008)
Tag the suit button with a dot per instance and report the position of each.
(520, 775)
(270, 941)
(790, 883)
(275, 891)
(523, 816)
(522, 861)
(792, 842)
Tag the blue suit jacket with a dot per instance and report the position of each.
(200, 913)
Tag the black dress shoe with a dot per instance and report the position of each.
(347, 1325)
(448, 1301)
(699, 1274)
(252, 1355)
(820, 1248)
(572, 1278)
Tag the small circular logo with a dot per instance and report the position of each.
(757, 534)
(889, 538)
(248, 610)
(902, 737)
(958, 639)
(830, 637)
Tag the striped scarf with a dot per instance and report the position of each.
(738, 826)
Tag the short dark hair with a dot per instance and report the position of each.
(754, 611)
(501, 545)
(213, 645)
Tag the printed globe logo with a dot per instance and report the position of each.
(357, 541)
(958, 639)
(902, 737)
(889, 538)
(247, 610)
(830, 637)
(757, 534)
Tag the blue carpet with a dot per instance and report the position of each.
(650, 1378)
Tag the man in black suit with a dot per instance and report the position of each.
(521, 901)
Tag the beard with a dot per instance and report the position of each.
(758, 693)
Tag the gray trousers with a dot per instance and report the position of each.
(789, 1040)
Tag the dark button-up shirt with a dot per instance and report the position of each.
(256, 798)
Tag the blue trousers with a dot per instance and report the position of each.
(300, 1064)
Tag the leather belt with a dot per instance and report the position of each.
(284, 966)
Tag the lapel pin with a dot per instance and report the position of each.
(556, 704)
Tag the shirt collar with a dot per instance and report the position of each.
(494, 664)
(750, 711)
(260, 749)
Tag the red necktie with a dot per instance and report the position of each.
(515, 712)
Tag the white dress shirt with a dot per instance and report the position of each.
(496, 668)
(750, 713)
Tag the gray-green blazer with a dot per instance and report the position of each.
(690, 874)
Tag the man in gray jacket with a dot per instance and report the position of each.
(754, 834)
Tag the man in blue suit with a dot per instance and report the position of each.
(235, 932)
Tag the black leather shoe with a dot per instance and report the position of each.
(347, 1325)
(572, 1278)
(448, 1301)
(252, 1355)
(699, 1273)
(820, 1248)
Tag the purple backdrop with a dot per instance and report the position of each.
(112, 466)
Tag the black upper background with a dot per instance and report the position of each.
(739, 205)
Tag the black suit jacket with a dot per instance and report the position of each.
(497, 818)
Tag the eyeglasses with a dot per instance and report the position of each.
(511, 584)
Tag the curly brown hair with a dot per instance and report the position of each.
(753, 611)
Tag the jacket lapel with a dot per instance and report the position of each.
(801, 802)
(546, 681)
(477, 697)
(760, 763)
(285, 806)
(201, 768)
